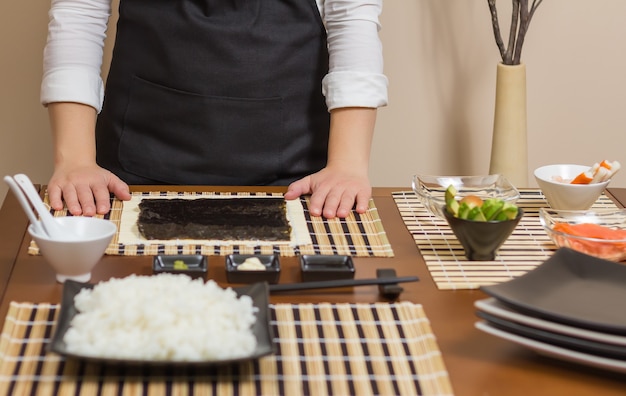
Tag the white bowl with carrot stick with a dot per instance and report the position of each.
(574, 187)
(600, 233)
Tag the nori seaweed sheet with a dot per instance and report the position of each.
(235, 219)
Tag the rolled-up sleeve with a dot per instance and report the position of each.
(73, 52)
(355, 77)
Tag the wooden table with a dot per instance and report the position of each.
(478, 364)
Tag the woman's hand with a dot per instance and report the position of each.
(344, 182)
(84, 185)
(333, 193)
(86, 190)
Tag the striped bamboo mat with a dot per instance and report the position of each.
(322, 349)
(527, 247)
(358, 235)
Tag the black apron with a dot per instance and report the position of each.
(215, 92)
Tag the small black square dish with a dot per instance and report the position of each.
(193, 265)
(252, 268)
(326, 267)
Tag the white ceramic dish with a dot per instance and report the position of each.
(75, 259)
(564, 341)
(563, 195)
(554, 351)
(495, 308)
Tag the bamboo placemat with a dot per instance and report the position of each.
(358, 235)
(527, 247)
(323, 349)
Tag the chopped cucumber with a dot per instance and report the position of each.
(492, 209)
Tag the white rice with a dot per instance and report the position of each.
(163, 317)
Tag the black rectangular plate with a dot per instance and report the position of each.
(571, 288)
(262, 329)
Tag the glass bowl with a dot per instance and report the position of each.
(431, 190)
(585, 236)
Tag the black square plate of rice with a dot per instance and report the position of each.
(259, 292)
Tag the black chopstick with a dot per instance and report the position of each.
(340, 283)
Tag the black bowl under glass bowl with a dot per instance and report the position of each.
(481, 239)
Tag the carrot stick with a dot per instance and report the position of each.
(584, 178)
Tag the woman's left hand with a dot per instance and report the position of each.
(334, 193)
(344, 183)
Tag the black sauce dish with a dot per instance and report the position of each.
(322, 267)
(237, 273)
(193, 265)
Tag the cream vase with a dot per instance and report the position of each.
(509, 147)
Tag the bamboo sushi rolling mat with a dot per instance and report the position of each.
(358, 235)
(322, 349)
(527, 247)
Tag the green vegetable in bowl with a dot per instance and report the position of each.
(474, 208)
(180, 265)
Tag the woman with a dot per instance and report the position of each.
(214, 92)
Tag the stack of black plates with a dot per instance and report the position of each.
(571, 307)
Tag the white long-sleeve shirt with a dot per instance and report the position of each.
(77, 29)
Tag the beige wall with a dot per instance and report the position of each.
(440, 58)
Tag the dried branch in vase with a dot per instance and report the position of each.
(521, 16)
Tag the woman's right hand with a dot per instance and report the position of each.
(86, 190)
(77, 178)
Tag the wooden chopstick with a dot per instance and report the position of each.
(340, 283)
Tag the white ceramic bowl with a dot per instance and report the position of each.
(75, 259)
(431, 190)
(563, 195)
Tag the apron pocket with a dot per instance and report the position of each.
(180, 137)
